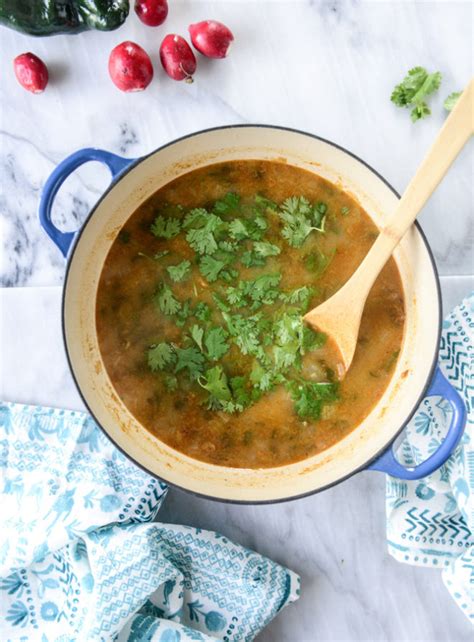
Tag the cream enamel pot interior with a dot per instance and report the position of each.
(134, 181)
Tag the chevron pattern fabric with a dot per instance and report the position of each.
(430, 522)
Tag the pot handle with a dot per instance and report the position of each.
(115, 163)
(387, 463)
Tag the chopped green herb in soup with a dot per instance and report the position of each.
(200, 306)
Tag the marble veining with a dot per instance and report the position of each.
(324, 66)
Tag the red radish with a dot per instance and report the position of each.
(177, 58)
(152, 12)
(130, 67)
(31, 72)
(211, 38)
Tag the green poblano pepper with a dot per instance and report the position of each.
(49, 17)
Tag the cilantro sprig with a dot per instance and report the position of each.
(160, 355)
(203, 229)
(166, 301)
(165, 228)
(413, 91)
(309, 397)
(300, 218)
(180, 271)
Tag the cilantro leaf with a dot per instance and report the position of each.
(451, 100)
(229, 275)
(296, 213)
(261, 290)
(195, 218)
(216, 344)
(202, 311)
(292, 339)
(403, 93)
(318, 262)
(178, 272)
(227, 246)
(236, 295)
(286, 355)
(215, 382)
(264, 249)
(165, 228)
(210, 268)
(245, 333)
(288, 327)
(250, 259)
(420, 111)
(260, 223)
(297, 205)
(261, 378)
(429, 86)
(301, 296)
(200, 236)
(413, 90)
(262, 203)
(309, 397)
(183, 314)
(160, 355)
(190, 359)
(224, 395)
(227, 204)
(202, 241)
(319, 216)
(223, 307)
(166, 300)
(240, 229)
(264, 379)
(197, 334)
(312, 339)
(240, 392)
(214, 341)
(288, 337)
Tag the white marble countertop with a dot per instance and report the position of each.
(323, 66)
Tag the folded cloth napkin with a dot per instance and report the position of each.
(80, 558)
(430, 522)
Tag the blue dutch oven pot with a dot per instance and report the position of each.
(154, 170)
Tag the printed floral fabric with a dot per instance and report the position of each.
(81, 560)
(430, 522)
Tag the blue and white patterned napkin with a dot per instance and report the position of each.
(431, 522)
(81, 560)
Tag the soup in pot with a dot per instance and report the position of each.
(199, 314)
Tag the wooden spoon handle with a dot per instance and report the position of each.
(456, 131)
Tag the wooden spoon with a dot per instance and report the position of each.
(339, 317)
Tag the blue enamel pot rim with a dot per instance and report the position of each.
(379, 455)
